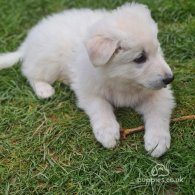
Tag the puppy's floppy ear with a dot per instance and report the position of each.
(100, 49)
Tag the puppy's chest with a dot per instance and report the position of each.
(123, 97)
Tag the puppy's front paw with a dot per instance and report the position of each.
(157, 143)
(107, 136)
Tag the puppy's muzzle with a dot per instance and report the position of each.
(168, 79)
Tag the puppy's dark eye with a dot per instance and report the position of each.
(141, 59)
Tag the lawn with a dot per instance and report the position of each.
(47, 146)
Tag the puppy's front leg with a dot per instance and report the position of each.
(157, 111)
(103, 121)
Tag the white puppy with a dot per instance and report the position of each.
(108, 58)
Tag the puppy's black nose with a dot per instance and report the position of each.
(168, 79)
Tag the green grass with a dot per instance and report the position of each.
(47, 146)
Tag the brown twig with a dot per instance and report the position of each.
(126, 132)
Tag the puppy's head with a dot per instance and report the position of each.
(125, 46)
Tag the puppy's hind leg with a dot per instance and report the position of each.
(40, 75)
(42, 89)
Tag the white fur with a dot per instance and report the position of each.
(8, 59)
(94, 52)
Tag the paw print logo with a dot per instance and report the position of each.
(160, 170)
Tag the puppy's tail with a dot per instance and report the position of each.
(9, 59)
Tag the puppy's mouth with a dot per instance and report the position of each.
(155, 85)
(159, 83)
